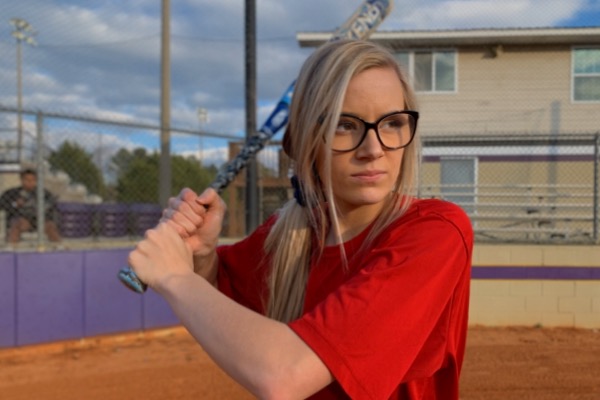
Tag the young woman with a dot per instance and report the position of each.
(354, 289)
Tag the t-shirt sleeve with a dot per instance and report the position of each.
(391, 322)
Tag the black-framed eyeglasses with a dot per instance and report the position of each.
(394, 131)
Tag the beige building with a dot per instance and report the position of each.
(540, 80)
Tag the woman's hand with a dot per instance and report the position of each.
(197, 219)
(161, 255)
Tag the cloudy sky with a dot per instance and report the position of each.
(102, 58)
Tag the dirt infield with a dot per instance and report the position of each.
(500, 364)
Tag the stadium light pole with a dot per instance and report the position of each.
(202, 116)
(23, 32)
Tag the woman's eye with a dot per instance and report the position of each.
(393, 123)
(345, 126)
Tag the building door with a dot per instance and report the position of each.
(459, 181)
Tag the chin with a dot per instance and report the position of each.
(365, 199)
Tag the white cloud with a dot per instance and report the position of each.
(216, 156)
(102, 59)
(454, 14)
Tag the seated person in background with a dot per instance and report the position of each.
(20, 204)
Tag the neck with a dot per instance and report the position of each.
(352, 222)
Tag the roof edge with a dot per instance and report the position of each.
(471, 37)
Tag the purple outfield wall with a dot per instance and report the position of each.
(52, 296)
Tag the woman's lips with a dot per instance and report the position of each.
(368, 176)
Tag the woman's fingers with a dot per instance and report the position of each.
(186, 225)
(212, 202)
(161, 253)
(185, 212)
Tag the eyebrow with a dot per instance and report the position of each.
(349, 114)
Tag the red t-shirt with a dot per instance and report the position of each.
(391, 326)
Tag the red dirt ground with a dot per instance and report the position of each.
(500, 364)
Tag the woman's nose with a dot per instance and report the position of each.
(371, 146)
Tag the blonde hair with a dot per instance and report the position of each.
(300, 231)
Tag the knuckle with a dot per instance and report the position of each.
(151, 234)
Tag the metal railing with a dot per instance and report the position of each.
(525, 189)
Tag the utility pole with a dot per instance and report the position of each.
(164, 180)
(252, 206)
(23, 32)
(203, 119)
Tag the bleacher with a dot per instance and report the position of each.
(525, 213)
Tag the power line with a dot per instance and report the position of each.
(157, 37)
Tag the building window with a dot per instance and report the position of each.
(431, 71)
(586, 74)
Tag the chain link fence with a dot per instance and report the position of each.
(105, 177)
(515, 189)
(522, 189)
(104, 174)
(534, 187)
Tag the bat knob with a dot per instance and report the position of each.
(131, 280)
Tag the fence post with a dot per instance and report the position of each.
(39, 158)
(597, 188)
